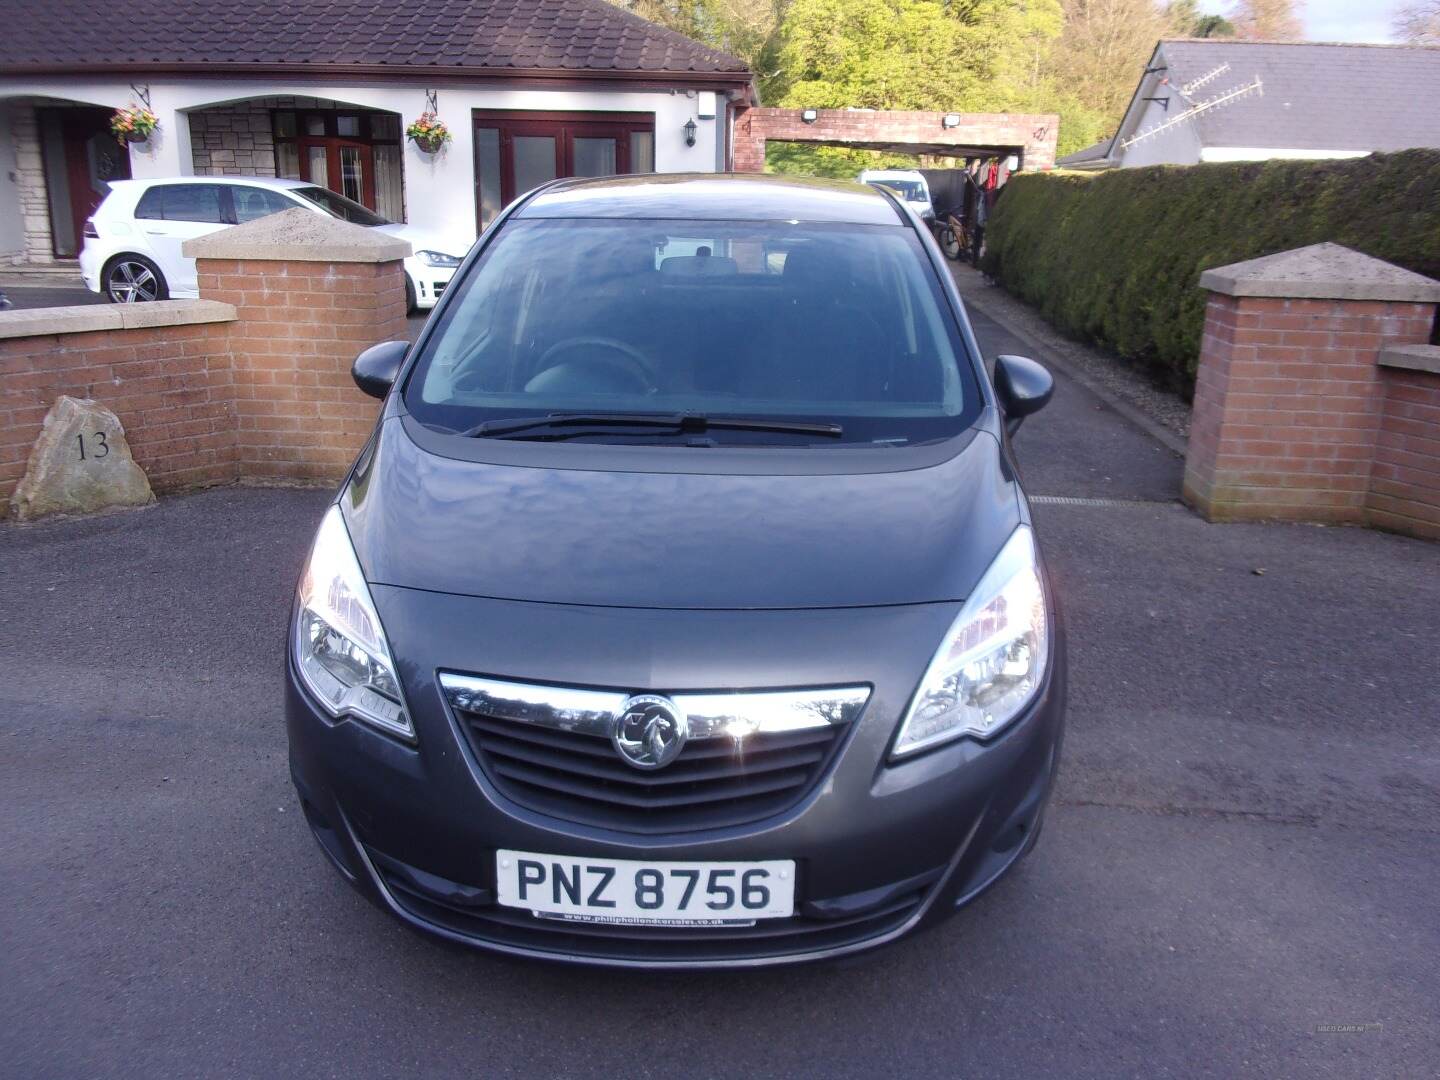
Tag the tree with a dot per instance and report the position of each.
(1418, 23)
(1267, 20)
(875, 54)
(1212, 26)
(1077, 58)
(963, 55)
(1103, 48)
(749, 29)
(1187, 20)
(942, 55)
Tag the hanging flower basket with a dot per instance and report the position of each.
(428, 133)
(133, 124)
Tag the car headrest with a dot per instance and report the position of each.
(699, 266)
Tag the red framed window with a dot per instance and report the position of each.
(517, 151)
(353, 152)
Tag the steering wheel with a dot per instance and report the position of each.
(620, 369)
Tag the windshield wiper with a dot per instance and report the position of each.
(684, 423)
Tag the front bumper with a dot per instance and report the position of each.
(90, 262)
(429, 281)
(880, 849)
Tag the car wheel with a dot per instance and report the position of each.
(411, 304)
(133, 279)
(949, 243)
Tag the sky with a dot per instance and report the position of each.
(1335, 20)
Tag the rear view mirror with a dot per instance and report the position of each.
(375, 369)
(1023, 387)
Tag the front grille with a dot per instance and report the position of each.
(711, 784)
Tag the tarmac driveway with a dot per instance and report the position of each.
(23, 297)
(1243, 851)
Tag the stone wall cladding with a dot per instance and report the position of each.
(233, 140)
(299, 416)
(239, 140)
(1034, 134)
(171, 387)
(34, 202)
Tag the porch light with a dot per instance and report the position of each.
(951, 120)
(809, 116)
(690, 132)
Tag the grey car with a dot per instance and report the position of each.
(684, 608)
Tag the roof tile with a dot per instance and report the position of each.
(564, 35)
(1314, 96)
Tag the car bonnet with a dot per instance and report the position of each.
(676, 539)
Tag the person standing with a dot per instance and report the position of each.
(977, 231)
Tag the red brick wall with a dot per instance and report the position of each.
(301, 325)
(267, 396)
(1034, 135)
(1405, 478)
(1288, 405)
(171, 387)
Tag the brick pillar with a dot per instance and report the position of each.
(1288, 395)
(1405, 478)
(310, 293)
(747, 154)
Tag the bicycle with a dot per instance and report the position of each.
(954, 237)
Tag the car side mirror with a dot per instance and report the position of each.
(1023, 387)
(375, 369)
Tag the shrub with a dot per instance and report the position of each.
(1115, 258)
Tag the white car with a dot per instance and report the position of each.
(908, 184)
(132, 242)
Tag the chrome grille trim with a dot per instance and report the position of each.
(711, 715)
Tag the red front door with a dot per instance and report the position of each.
(81, 158)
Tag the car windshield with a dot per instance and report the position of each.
(909, 190)
(340, 206)
(841, 324)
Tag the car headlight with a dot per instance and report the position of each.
(992, 659)
(338, 644)
(437, 258)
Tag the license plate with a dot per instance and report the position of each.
(624, 892)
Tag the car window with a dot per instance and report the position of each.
(842, 323)
(909, 190)
(257, 202)
(339, 206)
(151, 207)
(189, 202)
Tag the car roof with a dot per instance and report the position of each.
(714, 197)
(892, 174)
(253, 181)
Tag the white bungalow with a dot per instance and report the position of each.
(529, 90)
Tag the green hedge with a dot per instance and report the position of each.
(1114, 258)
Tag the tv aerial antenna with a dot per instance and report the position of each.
(1195, 84)
(1196, 107)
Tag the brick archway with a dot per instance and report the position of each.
(1031, 136)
